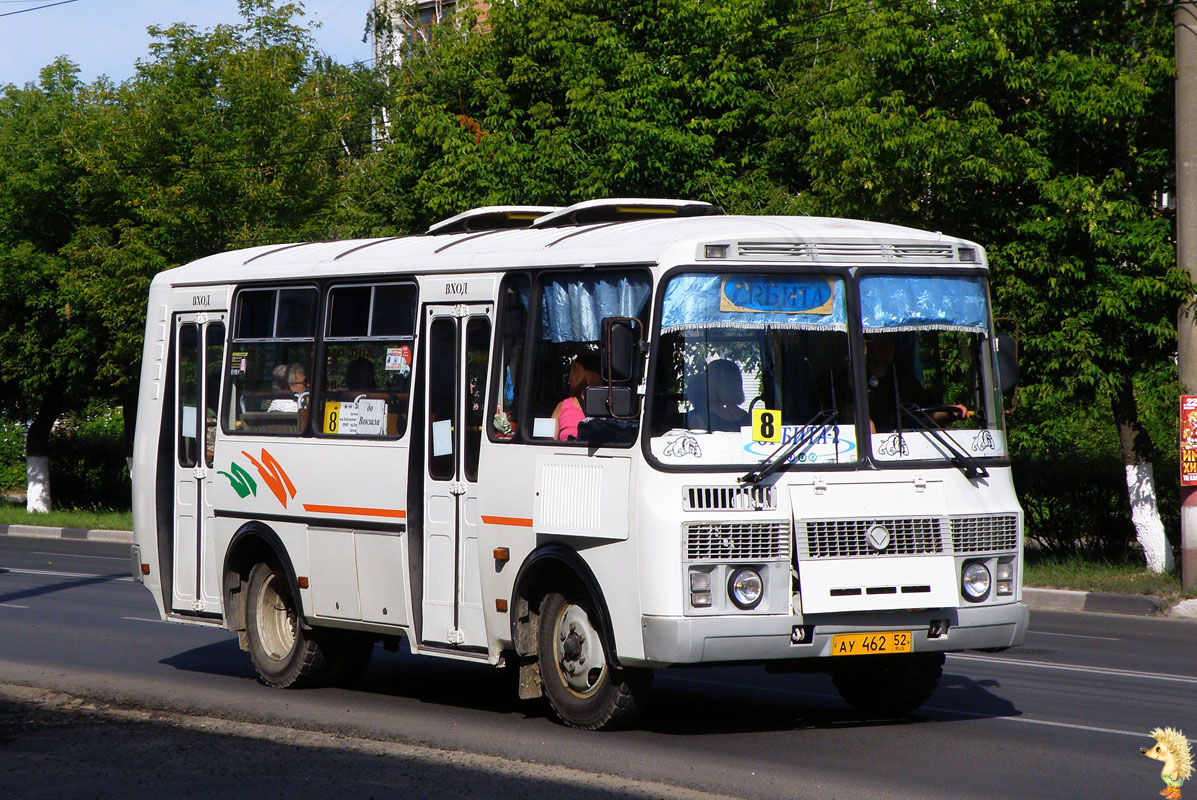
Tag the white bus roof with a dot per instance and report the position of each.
(673, 240)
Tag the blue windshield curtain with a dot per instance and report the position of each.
(573, 308)
(920, 302)
(698, 301)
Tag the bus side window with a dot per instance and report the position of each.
(572, 306)
(506, 381)
(274, 334)
(368, 357)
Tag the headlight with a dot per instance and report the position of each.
(974, 581)
(746, 588)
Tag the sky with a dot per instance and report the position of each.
(106, 37)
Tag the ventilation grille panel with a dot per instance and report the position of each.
(849, 538)
(728, 498)
(984, 534)
(847, 251)
(737, 541)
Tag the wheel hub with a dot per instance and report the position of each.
(579, 652)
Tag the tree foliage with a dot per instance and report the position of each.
(1042, 130)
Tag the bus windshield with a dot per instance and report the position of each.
(751, 362)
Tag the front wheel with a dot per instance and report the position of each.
(283, 653)
(889, 685)
(582, 686)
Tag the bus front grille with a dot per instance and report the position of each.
(849, 538)
(983, 534)
(728, 498)
(737, 541)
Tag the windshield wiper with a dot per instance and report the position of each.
(782, 454)
(925, 422)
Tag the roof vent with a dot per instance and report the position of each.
(624, 209)
(492, 218)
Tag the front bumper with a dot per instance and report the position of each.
(694, 640)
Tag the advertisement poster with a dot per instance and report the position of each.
(1188, 440)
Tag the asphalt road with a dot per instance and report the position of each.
(99, 699)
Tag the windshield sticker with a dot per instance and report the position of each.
(983, 442)
(682, 446)
(763, 294)
(916, 445)
(832, 444)
(893, 445)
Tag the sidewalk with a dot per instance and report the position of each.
(1040, 599)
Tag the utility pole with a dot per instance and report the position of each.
(1186, 248)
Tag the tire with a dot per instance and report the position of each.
(890, 685)
(583, 688)
(283, 653)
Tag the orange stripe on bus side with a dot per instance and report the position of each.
(397, 513)
(518, 522)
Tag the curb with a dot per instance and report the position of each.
(1102, 602)
(40, 532)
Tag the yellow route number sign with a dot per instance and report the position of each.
(766, 425)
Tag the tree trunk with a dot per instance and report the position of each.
(37, 453)
(1137, 452)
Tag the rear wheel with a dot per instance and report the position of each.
(283, 653)
(890, 685)
(583, 687)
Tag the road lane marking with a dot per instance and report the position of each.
(1121, 673)
(11, 605)
(78, 555)
(53, 574)
(1075, 636)
(1032, 721)
(950, 712)
(142, 619)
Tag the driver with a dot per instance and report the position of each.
(888, 386)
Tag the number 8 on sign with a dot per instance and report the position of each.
(766, 425)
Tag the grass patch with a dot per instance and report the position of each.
(94, 519)
(1122, 576)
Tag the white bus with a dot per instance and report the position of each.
(587, 443)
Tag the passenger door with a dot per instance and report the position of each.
(199, 355)
(458, 339)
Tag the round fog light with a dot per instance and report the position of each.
(746, 588)
(974, 581)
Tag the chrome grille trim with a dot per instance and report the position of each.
(848, 538)
(728, 498)
(985, 533)
(737, 541)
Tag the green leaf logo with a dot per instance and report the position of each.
(242, 482)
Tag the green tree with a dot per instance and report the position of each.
(232, 137)
(554, 101)
(46, 343)
(1041, 130)
(224, 138)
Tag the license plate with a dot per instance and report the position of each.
(860, 644)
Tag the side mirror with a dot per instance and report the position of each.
(1007, 362)
(619, 349)
(622, 400)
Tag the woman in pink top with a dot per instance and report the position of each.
(583, 373)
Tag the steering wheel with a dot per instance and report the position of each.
(955, 411)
